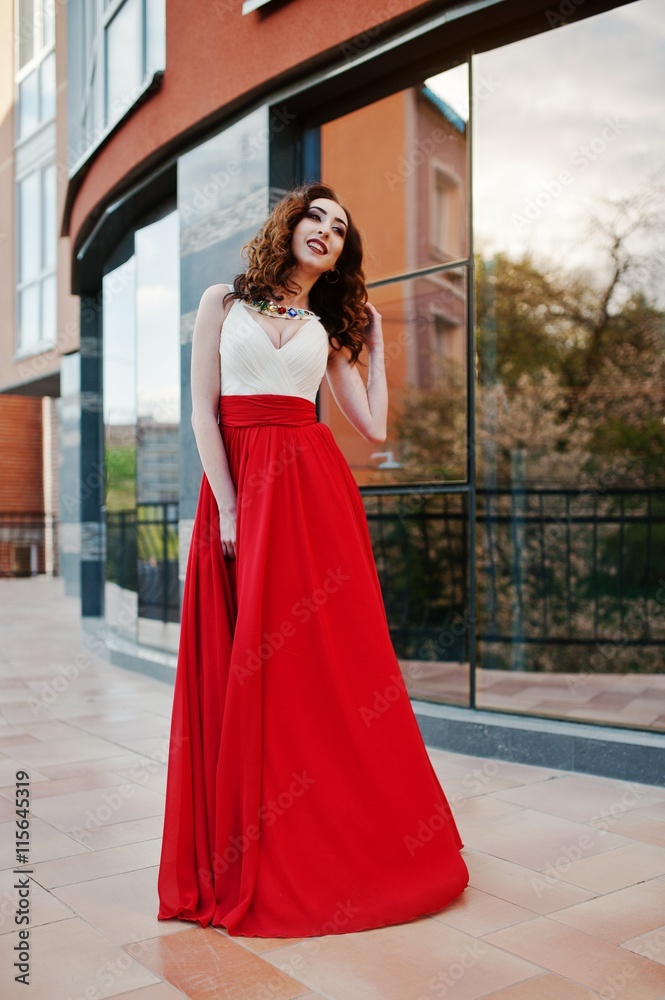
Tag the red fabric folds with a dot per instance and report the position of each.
(300, 798)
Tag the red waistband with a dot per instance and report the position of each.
(266, 408)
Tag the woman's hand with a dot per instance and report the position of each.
(227, 531)
(374, 333)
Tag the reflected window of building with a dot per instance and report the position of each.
(569, 225)
(119, 407)
(407, 187)
(445, 213)
(37, 244)
(141, 377)
(158, 430)
(34, 64)
(114, 49)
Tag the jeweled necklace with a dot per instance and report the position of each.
(273, 309)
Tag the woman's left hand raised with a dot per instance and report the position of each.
(374, 332)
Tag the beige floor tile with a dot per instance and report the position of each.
(478, 913)
(521, 886)
(537, 841)
(400, 962)
(485, 807)
(70, 955)
(78, 812)
(16, 737)
(547, 987)
(614, 869)
(583, 798)
(66, 751)
(260, 945)
(637, 825)
(123, 907)
(134, 831)
(655, 809)
(9, 767)
(206, 965)
(44, 907)
(619, 915)
(136, 727)
(7, 808)
(74, 783)
(51, 730)
(46, 843)
(151, 746)
(650, 945)
(161, 991)
(585, 959)
(97, 864)
(507, 770)
(103, 765)
(152, 777)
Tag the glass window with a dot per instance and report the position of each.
(569, 225)
(35, 65)
(124, 59)
(119, 408)
(121, 45)
(407, 187)
(49, 217)
(26, 31)
(142, 432)
(47, 88)
(155, 35)
(407, 184)
(36, 226)
(48, 15)
(49, 309)
(28, 316)
(29, 227)
(28, 104)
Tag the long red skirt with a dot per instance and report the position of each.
(300, 799)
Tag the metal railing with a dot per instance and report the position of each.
(142, 556)
(558, 567)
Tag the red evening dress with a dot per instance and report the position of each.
(294, 807)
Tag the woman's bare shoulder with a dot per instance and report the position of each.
(214, 294)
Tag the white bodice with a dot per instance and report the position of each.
(250, 362)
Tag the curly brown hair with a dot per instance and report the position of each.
(270, 261)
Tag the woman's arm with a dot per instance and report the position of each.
(365, 408)
(205, 384)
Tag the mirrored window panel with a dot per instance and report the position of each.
(420, 547)
(158, 430)
(119, 381)
(569, 230)
(406, 187)
(223, 201)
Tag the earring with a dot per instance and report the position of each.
(332, 281)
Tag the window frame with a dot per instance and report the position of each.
(88, 46)
(42, 343)
(42, 50)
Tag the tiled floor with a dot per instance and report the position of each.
(631, 699)
(567, 892)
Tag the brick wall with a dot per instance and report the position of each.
(21, 481)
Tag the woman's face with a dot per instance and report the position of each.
(318, 239)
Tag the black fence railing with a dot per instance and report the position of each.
(142, 556)
(555, 568)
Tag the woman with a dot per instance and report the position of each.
(300, 798)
